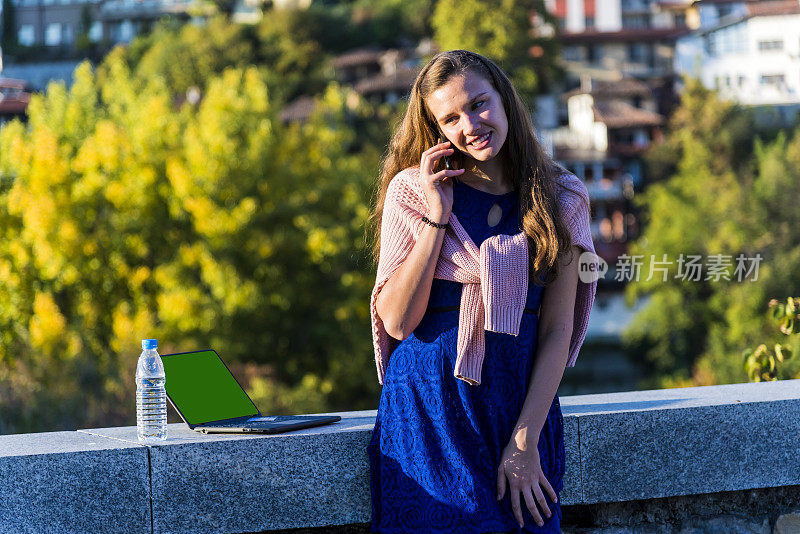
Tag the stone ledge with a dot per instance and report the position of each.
(628, 446)
(73, 482)
(244, 482)
(686, 441)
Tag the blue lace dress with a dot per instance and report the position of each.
(437, 441)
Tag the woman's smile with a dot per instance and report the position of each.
(482, 141)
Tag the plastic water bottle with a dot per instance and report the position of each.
(151, 396)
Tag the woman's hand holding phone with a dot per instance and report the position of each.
(437, 186)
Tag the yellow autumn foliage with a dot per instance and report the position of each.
(125, 215)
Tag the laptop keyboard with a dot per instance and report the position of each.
(258, 421)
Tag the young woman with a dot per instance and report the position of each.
(469, 433)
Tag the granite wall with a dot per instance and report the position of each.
(707, 459)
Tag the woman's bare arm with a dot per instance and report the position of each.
(402, 301)
(555, 332)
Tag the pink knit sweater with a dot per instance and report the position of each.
(495, 275)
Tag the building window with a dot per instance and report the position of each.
(589, 23)
(125, 31)
(773, 79)
(765, 46)
(637, 53)
(710, 45)
(624, 137)
(742, 80)
(680, 20)
(572, 53)
(96, 31)
(52, 35)
(26, 35)
(635, 21)
(593, 53)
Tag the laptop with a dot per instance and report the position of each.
(209, 399)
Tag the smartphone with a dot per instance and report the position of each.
(448, 163)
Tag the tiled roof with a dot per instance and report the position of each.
(624, 35)
(298, 109)
(361, 56)
(14, 97)
(618, 114)
(569, 154)
(761, 8)
(11, 83)
(402, 80)
(773, 7)
(624, 87)
(14, 106)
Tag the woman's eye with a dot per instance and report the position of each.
(481, 102)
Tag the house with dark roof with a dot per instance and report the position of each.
(610, 125)
(14, 99)
(380, 76)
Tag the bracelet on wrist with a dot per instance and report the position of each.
(435, 225)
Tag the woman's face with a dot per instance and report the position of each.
(470, 113)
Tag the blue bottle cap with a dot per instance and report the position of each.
(148, 344)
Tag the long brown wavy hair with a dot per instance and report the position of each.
(532, 172)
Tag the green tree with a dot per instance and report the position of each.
(391, 22)
(283, 46)
(501, 30)
(124, 216)
(726, 129)
(188, 55)
(763, 363)
(727, 196)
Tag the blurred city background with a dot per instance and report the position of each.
(202, 171)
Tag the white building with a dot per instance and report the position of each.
(628, 38)
(748, 51)
(610, 125)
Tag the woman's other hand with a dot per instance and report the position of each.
(523, 470)
(437, 186)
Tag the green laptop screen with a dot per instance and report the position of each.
(203, 389)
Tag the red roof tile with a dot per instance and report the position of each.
(624, 87)
(770, 8)
(618, 114)
(298, 109)
(624, 35)
(402, 80)
(361, 56)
